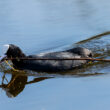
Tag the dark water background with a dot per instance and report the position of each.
(53, 25)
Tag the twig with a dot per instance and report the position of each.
(90, 59)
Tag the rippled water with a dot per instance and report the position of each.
(47, 25)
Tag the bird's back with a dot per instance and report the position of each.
(53, 65)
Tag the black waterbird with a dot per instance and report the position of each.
(13, 51)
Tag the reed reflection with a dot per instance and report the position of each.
(17, 84)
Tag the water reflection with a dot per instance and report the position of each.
(17, 84)
(98, 44)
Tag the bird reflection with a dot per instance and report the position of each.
(17, 84)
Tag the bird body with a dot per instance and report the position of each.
(48, 65)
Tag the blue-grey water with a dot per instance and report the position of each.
(53, 25)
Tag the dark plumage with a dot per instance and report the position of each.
(49, 65)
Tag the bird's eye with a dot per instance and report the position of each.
(90, 55)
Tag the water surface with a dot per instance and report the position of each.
(47, 25)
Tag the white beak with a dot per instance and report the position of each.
(5, 48)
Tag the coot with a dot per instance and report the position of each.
(13, 51)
